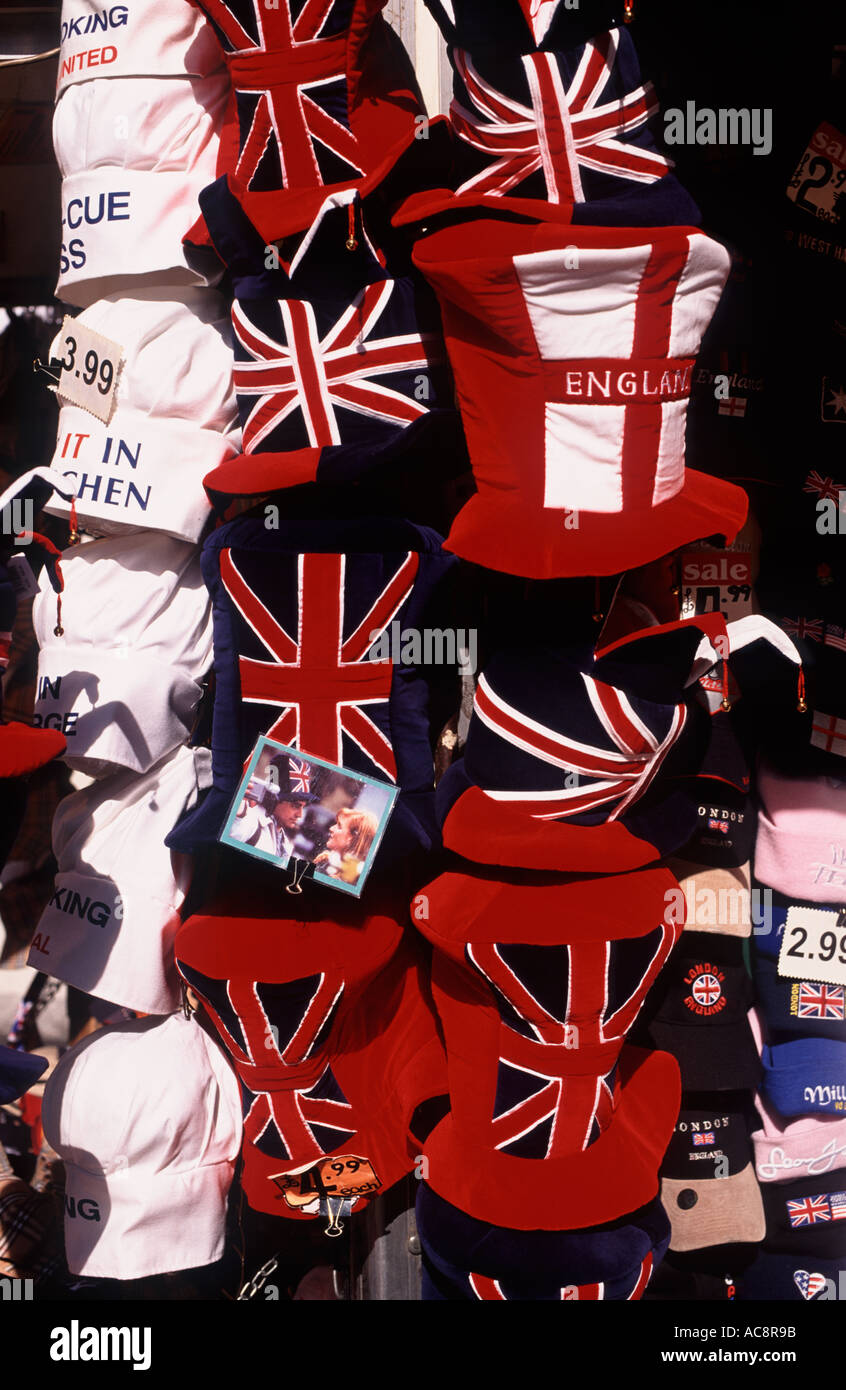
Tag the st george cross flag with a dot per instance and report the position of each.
(339, 359)
(322, 91)
(571, 127)
(297, 612)
(573, 350)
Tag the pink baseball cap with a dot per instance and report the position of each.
(801, 846)
(810, 1146)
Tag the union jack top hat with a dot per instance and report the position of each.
(570, 757)
(294, 779)
(330, 1031)
(573, 350)
(322, 91)
(554, 1124)
(339, 360)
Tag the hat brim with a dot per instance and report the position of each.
(24, 749)
(18, 1071)
(727, 1210)
(496, 532)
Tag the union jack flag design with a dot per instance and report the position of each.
(299, 773)
(820, 1001)
(811, 629)
(809, 1211)
(721, 825)
(822, 487)
(288, 64)
(702, 1140)
(613, 768)
(317, 379)
(286, 1025)
(626, 1288)
(312, 669)
(553, 1002)
(568, 128)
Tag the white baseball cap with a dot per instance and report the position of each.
(122, 680)
(134, 156)
(111, 921)
(174, 416)
(146, 1117)
(135, 38)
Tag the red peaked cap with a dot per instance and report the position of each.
(570, 761)
(573, 350)
(355, 1050)
(554, 1123)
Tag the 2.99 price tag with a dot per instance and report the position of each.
(90, 368)
(819, 183)
(814, 945)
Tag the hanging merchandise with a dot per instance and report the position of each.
(120, 671)
(708, 1184)
(172, 418)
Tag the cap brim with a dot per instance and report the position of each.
(726, 1210)
(496, 532)
(723, 1059)
(24, 749)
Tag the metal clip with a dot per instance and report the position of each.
(295, 886)
(38, 366)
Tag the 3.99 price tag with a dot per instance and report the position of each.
(90, 368)
(814, 945)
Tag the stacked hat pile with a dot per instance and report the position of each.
(125, 646)
(338, 369)
(798, 955)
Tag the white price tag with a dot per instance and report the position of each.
(90, 368)
(819, 183)
(814, 945)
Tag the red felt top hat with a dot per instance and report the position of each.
(573, 350)
(554, 1124)
(331, 1034)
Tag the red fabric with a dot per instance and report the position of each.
(24, 750)
(510, 374)
(382, 1048)
(578, 1183)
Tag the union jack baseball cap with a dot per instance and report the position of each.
(795, 1007)
(144, 469)
(697, 1010)
(708, 1184)
(576, 432)
(145, 1117)
(466, 1260)
(805, 1215)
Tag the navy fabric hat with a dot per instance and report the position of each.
(803, 1007)
(572, 125)
(18, 1071)
(570, 754)
(296, 612)
(468, 1260)
(792, 1279)
(806, 1217)
(339, 359)
(697, 1010)
(805, 1077)
(676, 1281)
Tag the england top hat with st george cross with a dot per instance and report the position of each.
(573, 349)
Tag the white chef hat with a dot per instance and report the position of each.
(121, 679)
(146, 1118)
(174, 416)
(135, 38)
(109, 926)
(134, 156)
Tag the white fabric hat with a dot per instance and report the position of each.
(122, 681)
(147, 1120)
(134, 156)
(137, 38)
(109, 926)
(174, 417)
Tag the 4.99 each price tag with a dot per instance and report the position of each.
(90, 367)
(814, 945)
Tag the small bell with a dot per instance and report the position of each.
(352, 242)
(801, 703)
(628, 11)
(725, 703)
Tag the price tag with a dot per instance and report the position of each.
(716, 581)
(814, 945)
(819, 183)
(90, 368)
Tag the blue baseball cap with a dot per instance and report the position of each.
(805, 1077)
(791, 1279)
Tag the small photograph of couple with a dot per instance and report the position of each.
(293, 806)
